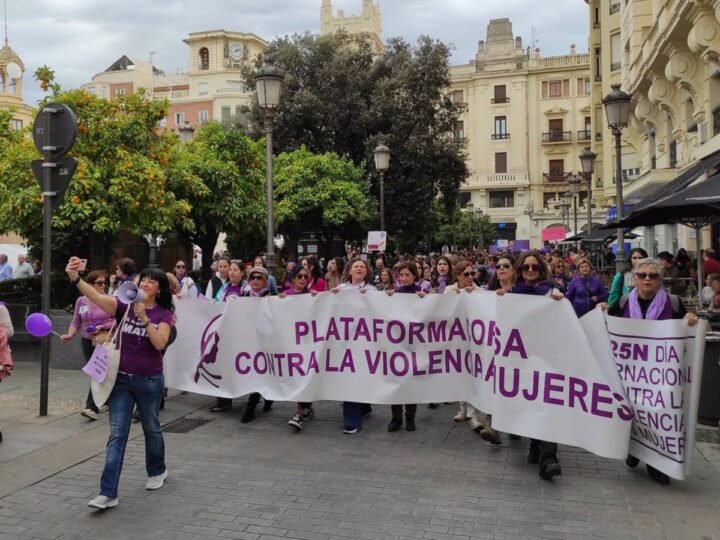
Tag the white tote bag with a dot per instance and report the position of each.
(108, 354)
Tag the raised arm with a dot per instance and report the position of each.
(107, 303)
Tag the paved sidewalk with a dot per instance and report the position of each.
(264, 481)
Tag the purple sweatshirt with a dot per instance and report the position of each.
(87, 317)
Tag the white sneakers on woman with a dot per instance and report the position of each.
(102, 502)
(156, 482)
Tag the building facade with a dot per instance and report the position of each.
(11, 94)
(526, 119)
(369, 22)
(666, 54)
(211, 89)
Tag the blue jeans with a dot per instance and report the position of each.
(147, 393)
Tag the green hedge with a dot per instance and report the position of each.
(29, 292)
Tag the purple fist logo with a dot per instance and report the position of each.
(208, 354)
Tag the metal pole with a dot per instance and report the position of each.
(589, 204)
(270, 248)
(577, 246)
(620, 259)
(47, 243)
(382, 200)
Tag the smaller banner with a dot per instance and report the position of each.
(377, 241)
(660, 365)
(553, 234)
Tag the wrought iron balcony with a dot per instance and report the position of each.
(556, 177)
(584, 135)
(499, 100)
(496, 136)
(557, 136)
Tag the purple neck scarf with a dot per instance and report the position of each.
(540, 288)
(655, 309)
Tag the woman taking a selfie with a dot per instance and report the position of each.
(143, 337)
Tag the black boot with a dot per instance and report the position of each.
(395, 424)
(267, 405)
(410, 423)
(249, 414)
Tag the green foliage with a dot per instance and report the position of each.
(322, 193)
(460, 228)
(339, 98)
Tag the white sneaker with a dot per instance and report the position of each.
(89, 413)
(460, 417)
(102, 502)
(156, 482)
(296, 422)
(475, 424)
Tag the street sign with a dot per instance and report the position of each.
(63, 130)
(61, 171)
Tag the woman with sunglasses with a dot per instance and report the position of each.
(586, 290)
(184, 280)
(465, 281)
(358, 277)
(258, 287)
(504, 274)
(531, 277)
(144, 335)
(622, 283)
(649, 301)
(299, 277)
(235, 287)
(559, 275)
(259, 262)
(94, 324)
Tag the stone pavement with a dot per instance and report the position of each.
(263, 481)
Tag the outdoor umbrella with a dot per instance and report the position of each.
(696, 206)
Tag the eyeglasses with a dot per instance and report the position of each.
(179, 266)
(506, 266)
(468, 274)
(647, 275)
(99, 282)
(530, 268)
(302, 276)
(257, 278)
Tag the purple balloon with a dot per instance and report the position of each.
(38, 324)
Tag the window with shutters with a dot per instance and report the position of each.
(500, 162)
(500, 94)
(204, 59)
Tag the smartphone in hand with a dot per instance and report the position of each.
(83, 264)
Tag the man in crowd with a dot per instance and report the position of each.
(710, 264)
(6, 271)
(671, 274)
(379, 267)
(23, 269)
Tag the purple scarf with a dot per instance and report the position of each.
(655, 309)
(541, 288)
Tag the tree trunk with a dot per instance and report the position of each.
(293, 239)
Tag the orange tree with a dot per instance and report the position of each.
(124, 180)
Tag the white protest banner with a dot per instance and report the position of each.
(524, 359)
(660, 364)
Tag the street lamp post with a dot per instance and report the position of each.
(617, 110)
(478, 216)
(268, 83)
(575, 190)
(587, 162)
(382, 163)
(565, 207)
(469, 208)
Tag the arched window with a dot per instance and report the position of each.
(204, 57)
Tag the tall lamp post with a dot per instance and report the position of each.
(587, 162)
(269, 83)
(574, 190)
(617, 110)
(565, 207)
(382, 163)
(469, 208)
(478, 216)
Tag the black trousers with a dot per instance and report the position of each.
(397, 411)
(546, 451)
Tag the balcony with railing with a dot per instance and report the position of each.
(498, 180)
(584, 135)
(499, 136)
(556, 177)
(557, 136)
(495, 101)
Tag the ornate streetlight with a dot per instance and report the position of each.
(587, 162)
(382, 163)
(268, 84)
(574, 190)
(617, 110)
(478, 216)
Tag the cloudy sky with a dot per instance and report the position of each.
(79, 38)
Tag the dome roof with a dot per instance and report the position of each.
(7, 55)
